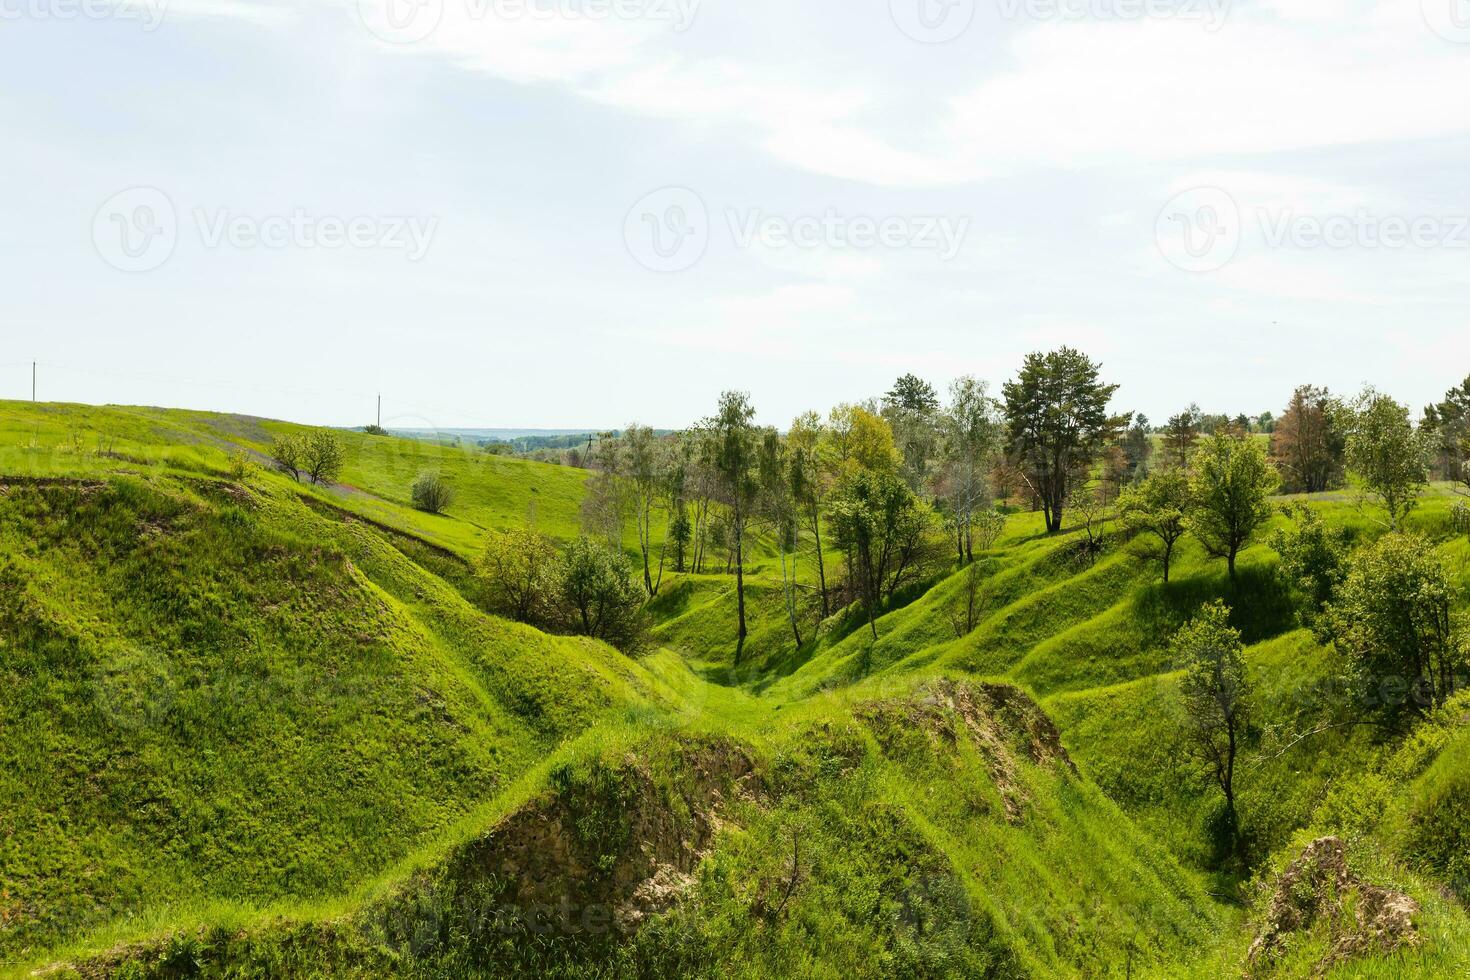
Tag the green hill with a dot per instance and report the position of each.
(253, 727)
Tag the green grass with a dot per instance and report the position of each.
(261, 728)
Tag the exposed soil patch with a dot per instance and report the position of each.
(1318, 891)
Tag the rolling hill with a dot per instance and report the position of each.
(253, 727)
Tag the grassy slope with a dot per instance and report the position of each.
(1083, 639)
(220, 692)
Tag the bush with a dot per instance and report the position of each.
(242, 467)
(599, 597)
(431, 494)
(521, 575)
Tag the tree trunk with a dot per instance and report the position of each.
(739, 582)
(821, 568)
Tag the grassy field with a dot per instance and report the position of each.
(253, 727)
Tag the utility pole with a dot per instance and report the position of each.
(380, 411)
(33, 381)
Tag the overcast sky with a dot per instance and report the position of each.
(564, 214)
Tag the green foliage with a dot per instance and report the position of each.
(879, 522)
(1314, 561)
(322, 456)
(288, 452)
(1156, 509)
(598, 596)
(1387, 454)
(1392, 620)
(1229, 494)
(1218, 702)
(431, 493)
(1057, 422)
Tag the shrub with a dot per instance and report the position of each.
(242, 467)
(599, 597)
(521, 575)
(431, 493)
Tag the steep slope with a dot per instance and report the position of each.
(212, 691)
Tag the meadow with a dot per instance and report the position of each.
(255, 727)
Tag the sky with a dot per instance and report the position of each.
(581, 213)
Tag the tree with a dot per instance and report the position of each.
(1309, 443)
(1180, 435)
(989, 525)
(520, 574)
(1138, 447)
(1387, 454)
(856, 438)
(970, 431)
(600, 598)
(910, 408)
(430, 493)
(733, 457)
(881, 524)
(1157, 510)
(1392, 621)
(646, 474)
(1092, 511)
(286, 452)
(1314, 561)
(1217, 698)
(322, 457)
(778, 503)
(1229, 494)
(1449, 424)
(605, 501)
(1057, 423)
(809, 485)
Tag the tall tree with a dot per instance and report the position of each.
(1057, 422)
(1181, 433)
(1449, 422)
(911, 407)
(1230, 494)
(1218, 702)
(970, 429)
(1308, 443)
(1138, 447)
(1156, 509)
(809, 486)
(646, 470)
(778, 503)
(1387, 454)
(734, 455)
